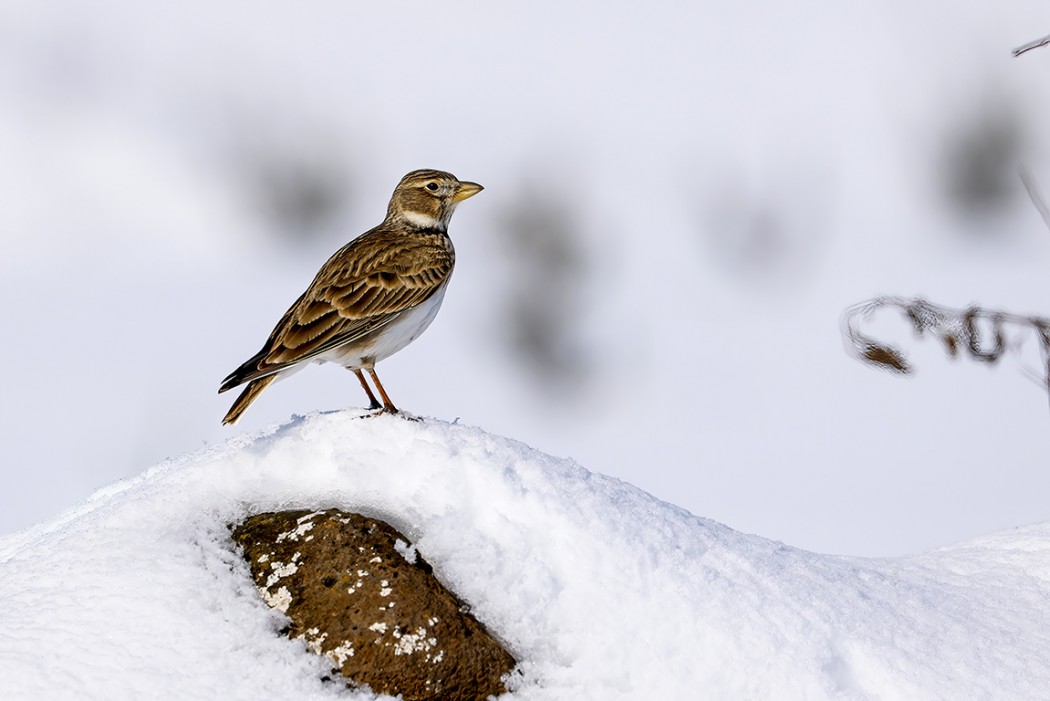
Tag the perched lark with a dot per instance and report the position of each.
(376, 295)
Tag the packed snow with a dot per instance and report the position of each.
(599, 589)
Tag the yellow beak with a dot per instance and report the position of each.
(465, 190)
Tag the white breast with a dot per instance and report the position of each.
(391, 338)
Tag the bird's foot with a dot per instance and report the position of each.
(392, 410)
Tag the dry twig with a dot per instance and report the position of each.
(980, 333)
(1037, 198)
(1031, 45)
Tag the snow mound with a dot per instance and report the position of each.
(601, 590)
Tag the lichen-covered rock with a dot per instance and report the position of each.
(358, 593)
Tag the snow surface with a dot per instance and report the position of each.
(601, 590)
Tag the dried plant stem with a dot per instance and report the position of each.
(980, 333)
(1033, 192)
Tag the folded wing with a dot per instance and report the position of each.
(364, 286)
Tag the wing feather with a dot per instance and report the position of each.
(364, 286)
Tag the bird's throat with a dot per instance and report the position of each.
(421, 220)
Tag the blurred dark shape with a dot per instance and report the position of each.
(545, 288)
(299, 185)
(970, 329)
(749, 236)
(765, 235)
(300, 195)
(981, 161)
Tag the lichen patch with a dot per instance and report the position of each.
(340, 654)
(280, 570)
(305, 525)
(409, 643)
(280, 600)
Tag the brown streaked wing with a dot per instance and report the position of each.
(363, 287)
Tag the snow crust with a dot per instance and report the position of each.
(601, 590)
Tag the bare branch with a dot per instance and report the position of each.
(1031, 45)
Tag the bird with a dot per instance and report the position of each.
(373, 297)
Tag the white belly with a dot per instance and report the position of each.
(390, 339)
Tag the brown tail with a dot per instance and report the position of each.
(254, 388)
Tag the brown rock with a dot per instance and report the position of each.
(356, 592)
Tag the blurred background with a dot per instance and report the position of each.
(681, 200)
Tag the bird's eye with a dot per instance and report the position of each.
(432, 187)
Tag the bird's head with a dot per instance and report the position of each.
(425, 199)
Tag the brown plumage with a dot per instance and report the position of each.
(372, 298)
